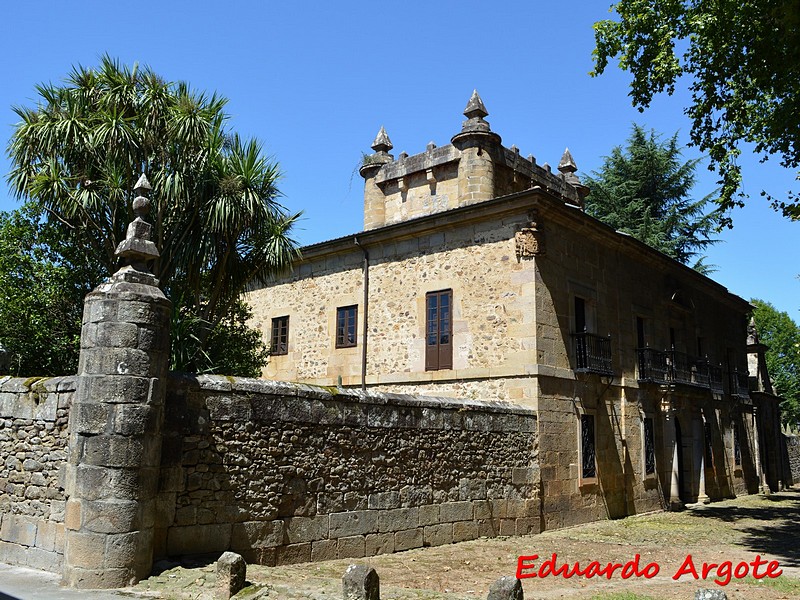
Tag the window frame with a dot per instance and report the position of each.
(648, 449)
(279, 336)
(589, 478)
(438, 356)
(350, 314)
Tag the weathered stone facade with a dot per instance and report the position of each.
(284, 473)
(547, 309)
(33, 449)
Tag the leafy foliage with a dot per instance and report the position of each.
(216, 219)
(44, 275)
(781, 334)
(644, 190)
(742, 60)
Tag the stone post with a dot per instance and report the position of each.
(116, 419)
(671, 445)
(361, 582)
(700, 433)
(478, 145)
(506, 588)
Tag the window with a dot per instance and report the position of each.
(588, 464)
(649, 447)
(737, 449)
(346, 322)
(580, 315)
(280, 336)
(641, 340)
(439, 330)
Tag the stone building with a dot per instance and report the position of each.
(478, 276)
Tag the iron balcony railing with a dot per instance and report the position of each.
(671, 366)
(592, 353)
(740, 384)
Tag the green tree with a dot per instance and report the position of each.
(644, 189)
(44, 275)
(742, 62)
(217, 222)
(777, 330)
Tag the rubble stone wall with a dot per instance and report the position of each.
(286, 473)
(793, 450)
(33, 450)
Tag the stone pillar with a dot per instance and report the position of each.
(116, 419)
(478, 145)
(763, 487)
(700, 433)
(671, 442)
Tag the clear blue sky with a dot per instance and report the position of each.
(316, 80)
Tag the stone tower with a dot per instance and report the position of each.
(474, 167)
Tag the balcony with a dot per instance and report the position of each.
(671, 366)
(740, 384)
(592, 353)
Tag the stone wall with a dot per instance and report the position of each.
(286, 473)
(793, 450)
(33, 450)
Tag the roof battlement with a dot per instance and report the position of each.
(474, 167)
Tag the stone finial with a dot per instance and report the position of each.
(475, 107)
(137, 249)
(361, 582)
(752, 334)
(567, 167)
(382, 142)
(506, 588)
(567, 164)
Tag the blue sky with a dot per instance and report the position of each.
(314, 81)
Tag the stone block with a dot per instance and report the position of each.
(126, 549)
(351, 547)
(43, 560)
(323, 550)
(361, 582)
(117, 389)
(257, 534)
(398, 519)
(508, 527)
(455, 511)
(472, 489)
(706, 594)
(438, 535)
(90, 418)
(113, 334)
(85, 550)
(464, 531)
(482, 509)
(359, 522)
(379, 543)
(18, 530)
(46, 535)
(231, 575)
(198, 539)
(408, 539)
(413, 495)
(384, 500)
(528, 525)
(110, 516)
(506, 588)
(307, 529)
(85, 578)
(137, 419)
(488, 527)
(229, 408)
(293, 553)
(429, 514)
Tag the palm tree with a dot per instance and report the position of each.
(216, 218)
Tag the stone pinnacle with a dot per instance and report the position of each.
(475, 107)
(567, 164)
(382, 142)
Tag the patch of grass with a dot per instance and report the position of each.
(782, 584)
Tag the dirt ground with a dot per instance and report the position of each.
(732, 530)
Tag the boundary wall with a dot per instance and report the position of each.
(284, 473)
